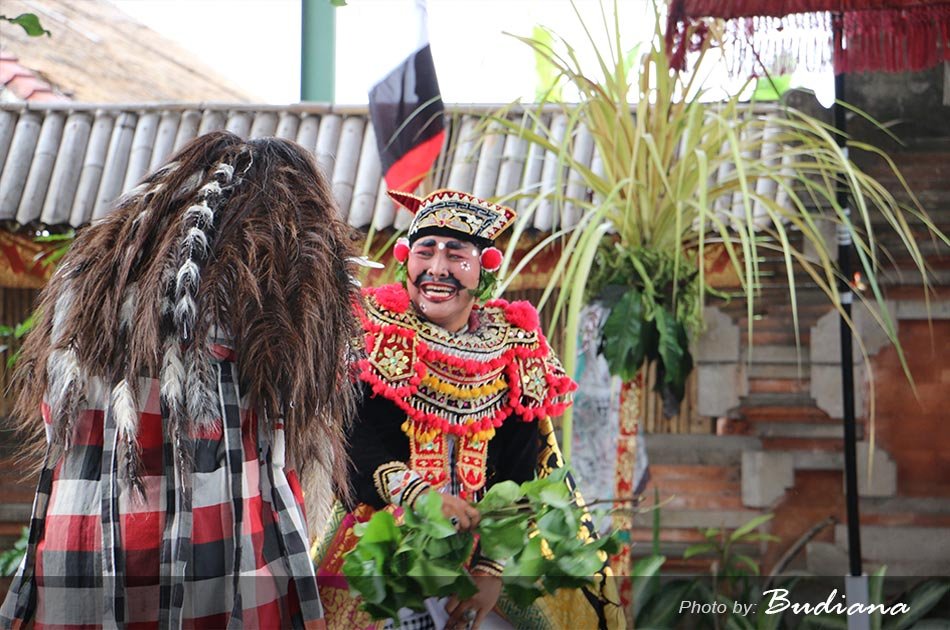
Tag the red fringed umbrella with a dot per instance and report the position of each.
(870, 35)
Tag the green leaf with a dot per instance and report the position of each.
(29, 22)
(523, 592)
(698, 549)
(365, 578)
(502, 542)
(557, 525)
(674, 353)
(921, 600)
(25, 326)
(434, 523)
(499, 495)
(645, 578)
(825, 622)
(6, 331)
(663, 610)
(749, 526)
(623, 338)
(741, 559)
(381, 528)
(434, 577)
(11, 361)
(580, 566)
(557, 495)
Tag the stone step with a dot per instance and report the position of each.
(640, 533)
(784, 355)
(776, 370)
(687, 472)
(701, 519)
(779, 385)
(691, 485)
(905, 512)
(895, 544)
(675, 549)
(697, 449)
(784, 413)
(925, 505)
(830, 430)
(695, 502)
(833, 445)
(823, 558)
(777, 399)
(783, 337)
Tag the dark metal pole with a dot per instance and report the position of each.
(847, 361)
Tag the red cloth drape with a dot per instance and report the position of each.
(729, 9)
(874, 35)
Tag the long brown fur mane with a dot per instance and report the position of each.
(273, 279)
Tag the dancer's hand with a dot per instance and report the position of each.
(475, 607)
(462, 514)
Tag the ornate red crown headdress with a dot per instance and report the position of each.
(454, 213)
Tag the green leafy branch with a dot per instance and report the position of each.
(534, 529)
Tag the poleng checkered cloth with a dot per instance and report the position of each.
(223, 545)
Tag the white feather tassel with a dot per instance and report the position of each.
(64, 304)
(125, 409)
(172, 378)
(127, 312)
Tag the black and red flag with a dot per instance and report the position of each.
(406, 107)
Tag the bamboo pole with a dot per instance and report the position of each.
(367, 182)
(92, 166)
(264, 125)
(347, 160)
(489, 162)
(326, 142)
(164, 139)
(552, 173)
(41, 169)
(17, 166)
(140, 155)
(187, 127)
(66, 172)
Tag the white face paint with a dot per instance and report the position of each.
(466, 266)
(440, 245)
(423, 307)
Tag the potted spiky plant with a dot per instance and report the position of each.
(680, 173)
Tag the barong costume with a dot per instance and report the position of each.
(168, 495)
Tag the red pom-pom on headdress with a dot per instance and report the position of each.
(401, 250)
(491, 259)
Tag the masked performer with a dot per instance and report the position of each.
(191, 353)
(458, 397)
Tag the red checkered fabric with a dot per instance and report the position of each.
(224, 544)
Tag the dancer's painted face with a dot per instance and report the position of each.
(443, 271)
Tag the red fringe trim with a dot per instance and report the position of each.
(874, 35)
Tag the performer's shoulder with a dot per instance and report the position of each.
(521, 314)
(388, 297)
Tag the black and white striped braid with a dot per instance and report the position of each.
(195, 246)
(186, 391)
